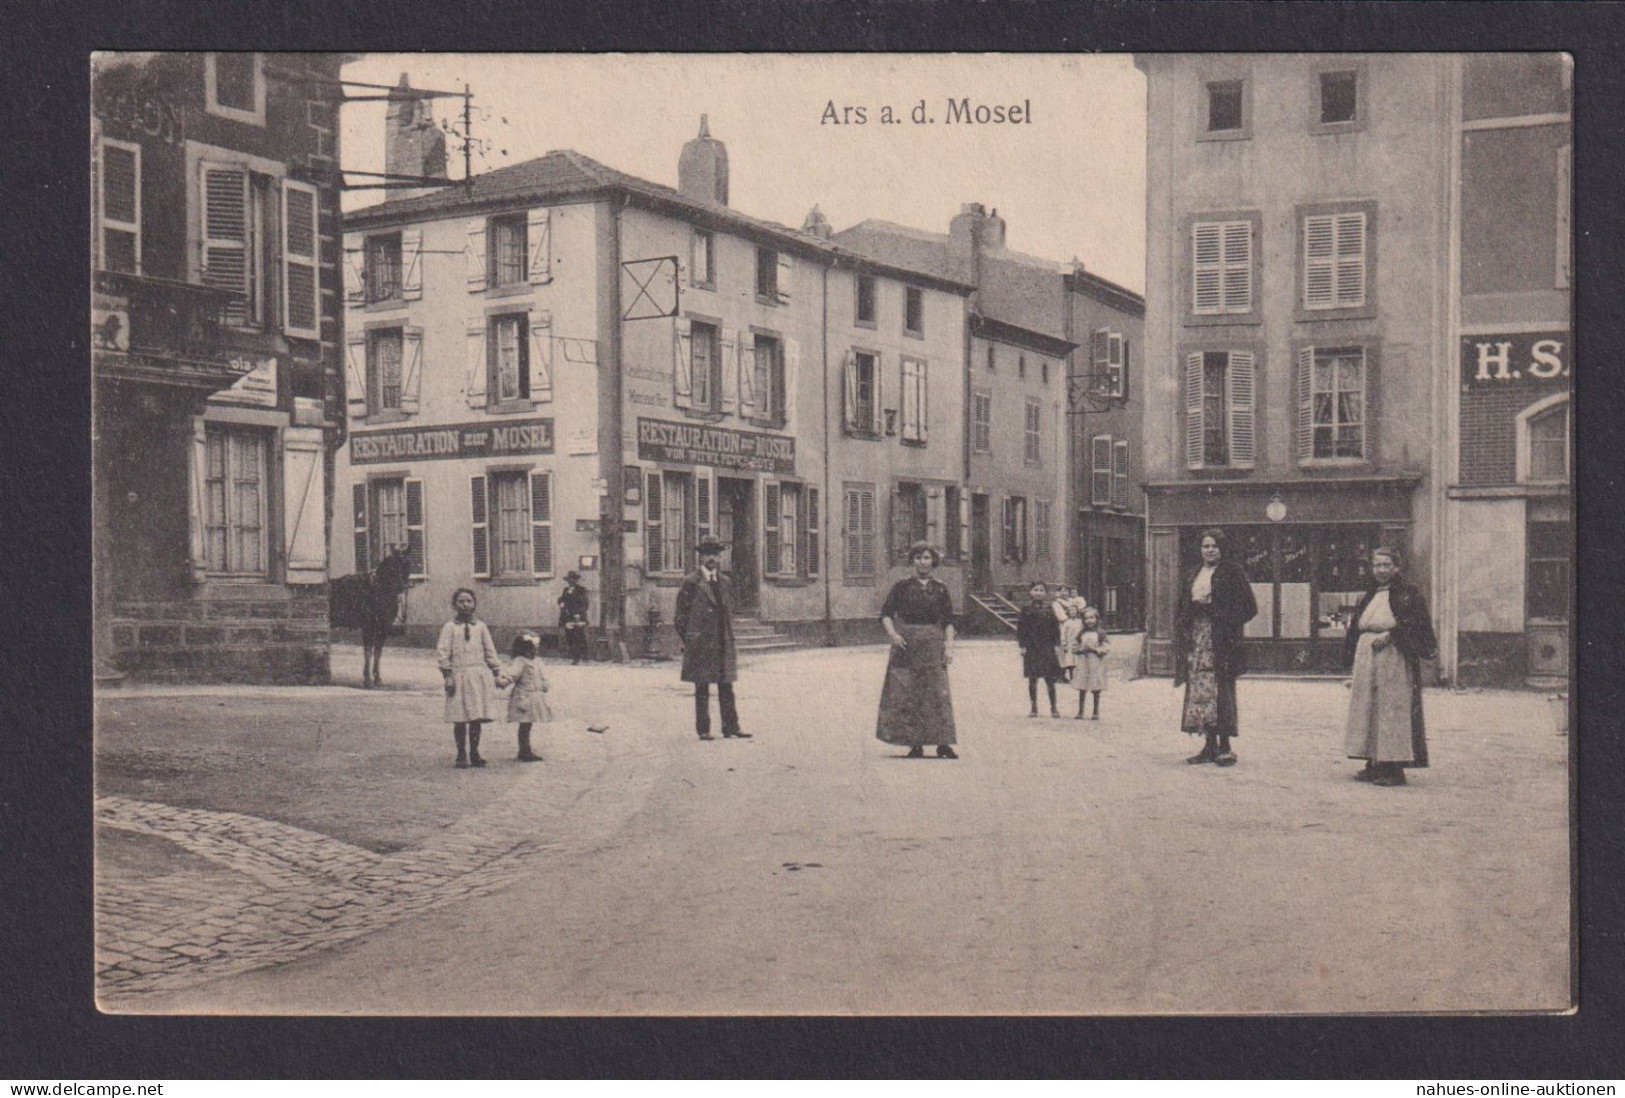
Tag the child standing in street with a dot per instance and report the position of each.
(1066, 651)
(468, 663)
(1037, 634)
(527, 704)
(1090, 676)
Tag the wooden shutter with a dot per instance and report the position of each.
(481, 527)
(1239, 396)
(812, 553)
(1194, 428)
(120, 202)
(683, 365)
(1101, 354)
(474, 381)
(1238, 267)
(301, 261)
(1120, 473)
(728, 353)
(411, 369)
(901, 524)
(878, 426)
(1333, 251)
(541, 354)
(1121, 389)
(474, 255)
(653, 547)
(416, 540)
(411, 264)
(787, 268)
(304, 506)
(1207, 267)
(702, 504)
(964, 522)
(849, 371)
(224, 234)
(355, 374)
(770, 528)
(792, 374)
(1303, 383)
(1100, 470)
(358, 500)
(541, 524)
(355, 271)
(747, 373)
(539, 245)
(1009, 529)
(866, 531)
(1349, 231)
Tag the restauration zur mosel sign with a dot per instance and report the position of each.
(718, 447)
(452, 440)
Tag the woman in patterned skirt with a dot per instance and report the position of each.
(915, 707)
(1214, 603)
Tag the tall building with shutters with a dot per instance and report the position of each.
(564, 367)
(217, 331)
(1298, 350)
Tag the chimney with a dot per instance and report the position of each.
(702, 168)
(993, 234)
(413, 144)
(966, 233)
(817, 224)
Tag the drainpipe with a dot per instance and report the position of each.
(824, 519)
(611, 541)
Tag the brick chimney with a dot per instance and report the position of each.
(413, 144)
(817, 224)
(702, 168)
(966, 239)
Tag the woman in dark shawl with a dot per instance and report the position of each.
(1214, 603)
(1389, 635)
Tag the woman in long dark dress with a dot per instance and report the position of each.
(1388, 638)
(1215, 602)
(916, 708)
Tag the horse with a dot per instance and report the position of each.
(371, 603)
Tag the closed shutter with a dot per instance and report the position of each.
(1304, 432)
(787, 268)
(770, 527)
(224, 259)
(355, 271)
(683, 364)
(935, 501)
(653, 547)
(541, 524)
(1100, 470)
(411, 264)
(539, 245)
(358, 499)
(866, 531)
(474, 380)
(301, 261)
(702, 504)
(355, 374)
(1207, 267)
(1193, 411)
(1238, 266)
(849, 373)
(878, 425)
(813, 553)
(412, 369)
(416, 539)
(1350, 234)
(792, 375)
(1120, 474)
(304, 505)
(481, 527)
(541, 354)
(474, 255)
(902, 523)
(1120, 388)
(1009, 530)
(1101, 354)
(729, 362)
(747, 374)
(1239, 382)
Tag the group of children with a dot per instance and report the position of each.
(469, 665)
(1061, 641)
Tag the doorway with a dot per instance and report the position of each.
(736, 528)
(981, 545)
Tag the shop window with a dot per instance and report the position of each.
(859, 533)
(1551, 570)
(120, 184)
(512, 524)
(866, 310)
(981, 422)
(914, 410)
(1033, 434)
(702, 269)
(1219, 409)
(913, 311)
(234, 86)
(1015, 530)
(1222, 268)
(1342, 575)
(1331, 386)
(235, 504)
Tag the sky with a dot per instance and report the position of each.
(1069, 183)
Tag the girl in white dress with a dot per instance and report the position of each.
(1090, 675)
(527, 704)
(468, 663)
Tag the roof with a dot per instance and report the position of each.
(565, 173)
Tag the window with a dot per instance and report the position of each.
(863, 394)
(1219, 409)
(772, 276)
(1109, 350)
(383, 267)
(1331, 385)
(1334, 256)
(1225, 109)
(865, 309)
(234, 85)
(1543, 441)
(706, 373)
(1100, 470)
(1043, 370)
(1339, 97)
(389, 514)
(235, 488)
(1033, 452)
(954, 517)
(509, 265)
(384, 353)
(1041, 529)
(783, 549)
(859, 532)
(1551, 570)
(513, 524)
(914, 310)
(910, 519)
(914, 401)
(767, 379)
(1221, 267)
(1015, 529)
(981, 422)
(1021, 367)
(992, 360)
(702, 268)
(121, 207)
(238, 252)
(1120, 474)
(510, 357)
(671, 526)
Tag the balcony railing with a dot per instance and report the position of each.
(167, 319)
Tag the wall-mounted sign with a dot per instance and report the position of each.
(719, 447)
(453, 440)
(582, 442)
(1527, 359)
(256, 386)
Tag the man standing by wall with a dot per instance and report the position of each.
(573, 617)
(704, 621)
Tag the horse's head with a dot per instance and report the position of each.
(392, 572)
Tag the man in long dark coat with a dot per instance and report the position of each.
(705, 628)
(573, 616)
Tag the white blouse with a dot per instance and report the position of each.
(1202, 585)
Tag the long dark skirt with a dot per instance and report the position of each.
(1210, 698)
(916, 709)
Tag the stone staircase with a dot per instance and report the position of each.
(751, 635)
(999, 608)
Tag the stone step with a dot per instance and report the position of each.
(766, 644)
